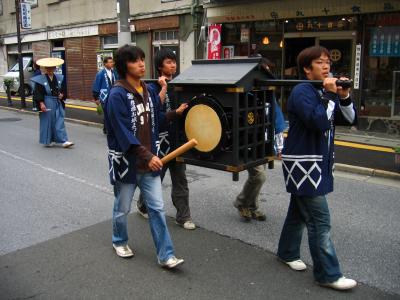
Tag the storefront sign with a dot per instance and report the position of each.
(228, 51)
(385, 41)
(320, 24)
(74, 32)
(357, 67)
(214, 41)
(26, 20)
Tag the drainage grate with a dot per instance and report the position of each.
(10, 119)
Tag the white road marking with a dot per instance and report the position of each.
(54, 171)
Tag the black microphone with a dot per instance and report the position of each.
(344, 83)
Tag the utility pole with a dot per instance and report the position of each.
(20, 61)
(124, 30)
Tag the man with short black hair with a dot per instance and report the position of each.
(132, 118)
(307, 161)
(103, 83)
(165, 63)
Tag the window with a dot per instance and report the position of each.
(58, 45)
(110, 41)
(166, 37)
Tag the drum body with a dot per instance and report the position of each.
(206, 121)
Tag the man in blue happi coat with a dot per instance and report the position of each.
(49, 96)
(132, 117)
(104, 81)
(307, 161)
(165, 64)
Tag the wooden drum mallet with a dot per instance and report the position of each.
(179, 151)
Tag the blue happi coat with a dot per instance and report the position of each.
(121, 120)
(168, 130)
(102, 85)
(308, 154)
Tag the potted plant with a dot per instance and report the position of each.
(8, 84)
(397, 158)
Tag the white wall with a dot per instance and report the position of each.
(63, 13)
(151, 6)
(186, 52)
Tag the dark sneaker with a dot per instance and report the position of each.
(245, 213)
(258, 215)
(142, 211)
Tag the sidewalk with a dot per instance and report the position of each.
(83, 265)
(367, 137)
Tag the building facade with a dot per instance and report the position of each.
(83, 31)
(363, 37)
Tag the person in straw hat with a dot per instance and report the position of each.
(49, 96)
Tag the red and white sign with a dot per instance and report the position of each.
(214, 41)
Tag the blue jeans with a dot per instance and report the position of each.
(313, 213)
(150, 187)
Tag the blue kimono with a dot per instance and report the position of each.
(102, 85)
(122, 120)
(52, 127)
(308, 154)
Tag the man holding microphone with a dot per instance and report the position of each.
(307, 161)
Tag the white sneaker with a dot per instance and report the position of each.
(296, 265)
(341, 284)
(67, 144)
(171, 263)
(189, 225)
(49, 145)
(123, 251)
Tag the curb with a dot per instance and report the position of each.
(367, 171)
(69, 120)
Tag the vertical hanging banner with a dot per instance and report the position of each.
(214, 41)
(357, 67)
(26, 20)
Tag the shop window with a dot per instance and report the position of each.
(381, 67)
(236, 37)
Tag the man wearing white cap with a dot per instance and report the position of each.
(49, 96)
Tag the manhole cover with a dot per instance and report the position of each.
(10, 119)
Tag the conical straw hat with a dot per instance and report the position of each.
(50, 62)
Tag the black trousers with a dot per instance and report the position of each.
(179, 191)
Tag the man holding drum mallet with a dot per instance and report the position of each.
(165, 65)
(307, 161)
(133, 115)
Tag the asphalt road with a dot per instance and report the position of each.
(55, 237)
(345, 155)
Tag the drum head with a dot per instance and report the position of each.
(203, 124)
